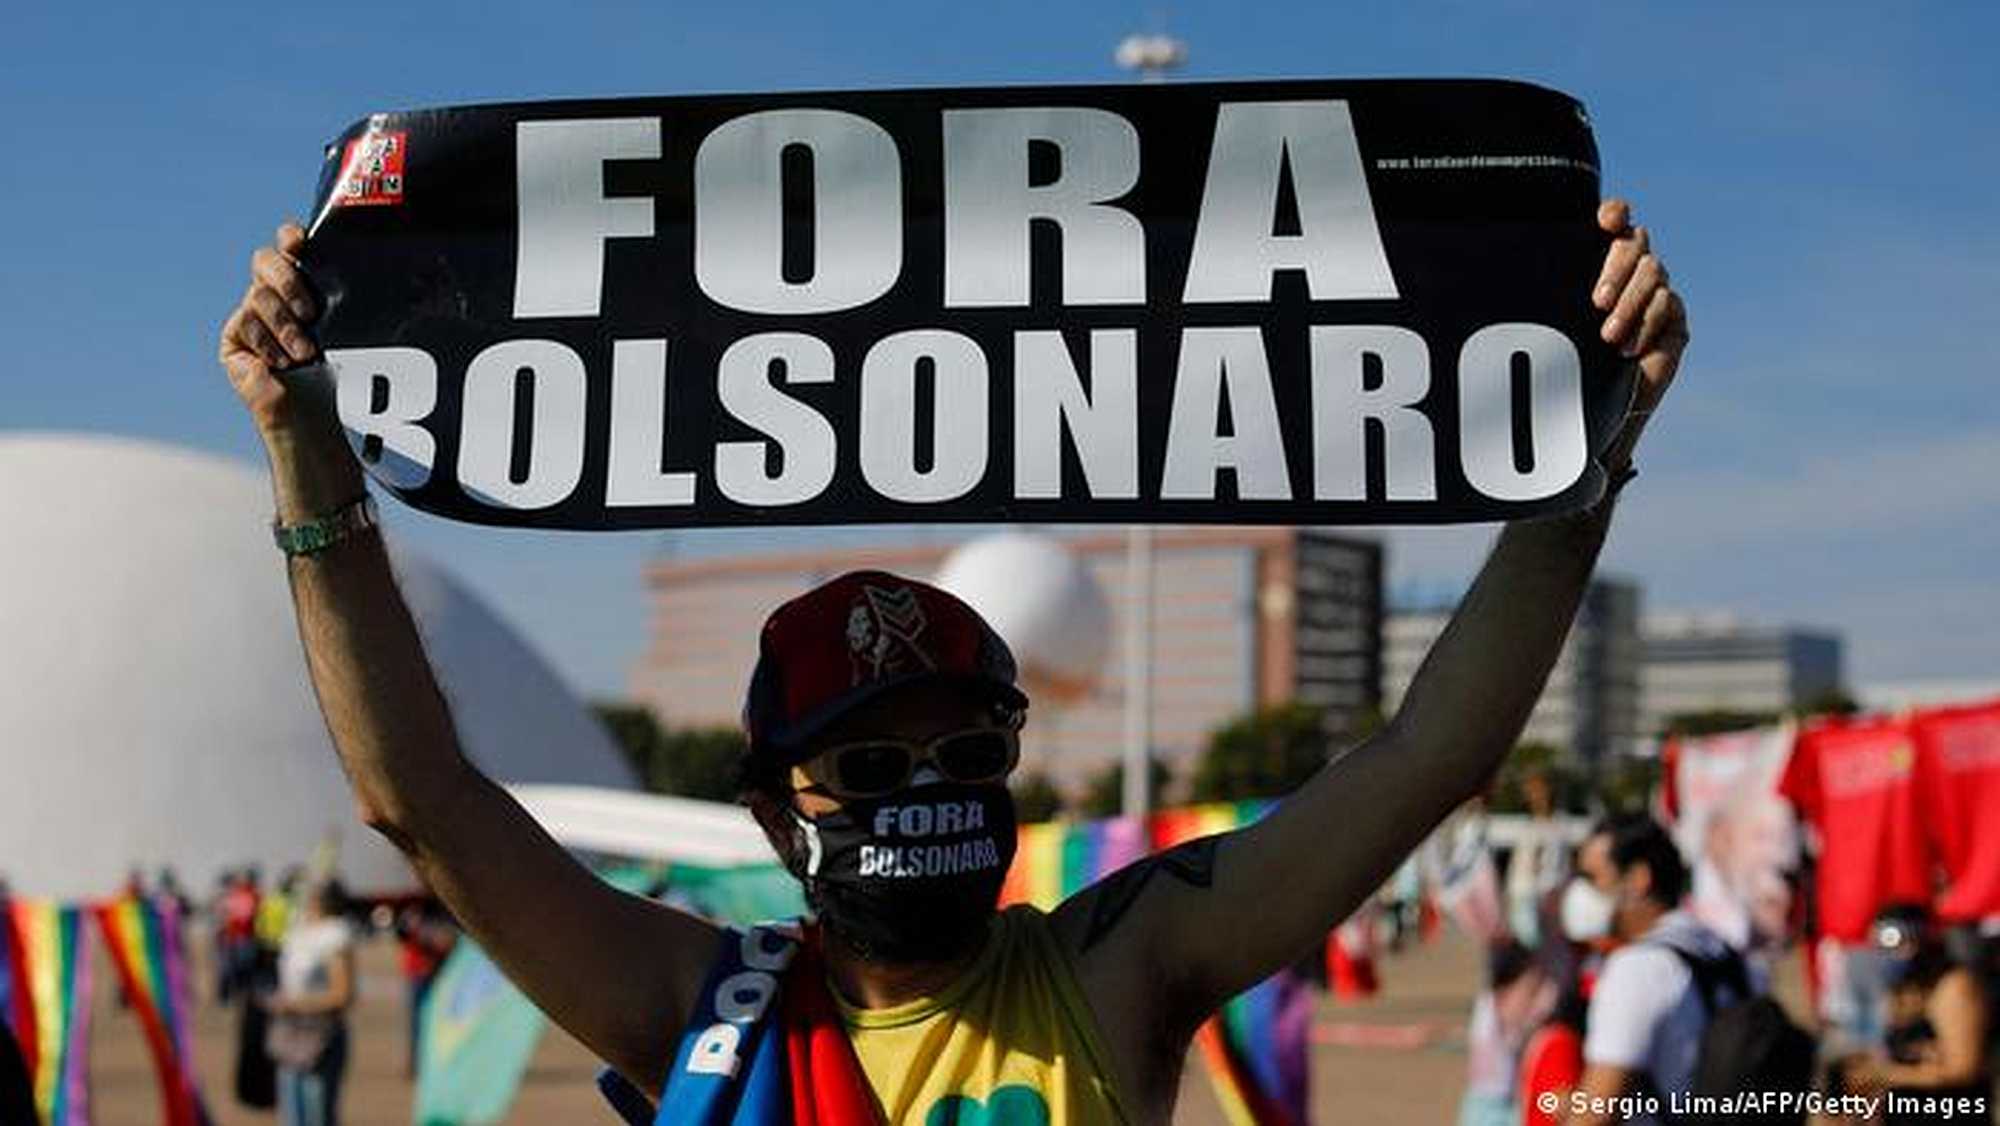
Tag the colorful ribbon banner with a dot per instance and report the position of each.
(144, 938)
(49, 962)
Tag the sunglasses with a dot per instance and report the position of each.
(871, 768)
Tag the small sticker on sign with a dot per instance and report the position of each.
(371, 172)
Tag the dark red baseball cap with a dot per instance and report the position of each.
(849, 640)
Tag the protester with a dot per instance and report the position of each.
(274, 912)
(1552, 1060)
(316, 986)
(883, 722)
(1403, 902)
(1647, 1010)
(17, 1095)
(256, 1078)
(169, 888)
(1517, 997)
(1934, 1057)
(236, 935)
(424, 939)
(1571, 956)
(17, 1092)
(1538, 864)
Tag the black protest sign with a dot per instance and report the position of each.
(1292, 302)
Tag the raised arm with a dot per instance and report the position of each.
(1214, 916)
(619, 972)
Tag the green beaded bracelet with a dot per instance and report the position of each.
(318, 534)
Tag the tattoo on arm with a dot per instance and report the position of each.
(1192, 863)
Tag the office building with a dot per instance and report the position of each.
(1590, 706)
(1718, 662)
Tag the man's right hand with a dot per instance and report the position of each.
(266, 333)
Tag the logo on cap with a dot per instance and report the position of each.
(882, 630)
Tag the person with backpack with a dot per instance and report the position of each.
(1675, 1016)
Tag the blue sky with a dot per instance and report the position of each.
(1821, 175)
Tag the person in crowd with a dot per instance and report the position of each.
(1934, 1051)
(1403, 900)
(17, 1091)
(1647, 1011)
(424, 936)
(17, 1095)
(883, 721)
(169, 887)
(307, 1037)
(274, 913)
(236, 935)
(1517, 997)
(1538, 864)
(1571, 956)
(1552, 1059)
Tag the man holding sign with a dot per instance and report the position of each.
(883, 713)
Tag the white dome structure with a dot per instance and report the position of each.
(154, 703)
(1039, 597)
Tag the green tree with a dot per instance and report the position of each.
(1717, 721)
(1832, 701)
(635, 731)
(1104, 796)
(1625, 783)
(1267, 753)
(1036, 798)
(690, 762)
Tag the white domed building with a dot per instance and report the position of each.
(154, 704)
(1042, 598)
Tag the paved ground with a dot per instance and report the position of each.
(1398, 1059)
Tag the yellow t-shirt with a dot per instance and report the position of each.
(274, 915)
(1010, 1043)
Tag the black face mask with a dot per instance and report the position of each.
(911, 877)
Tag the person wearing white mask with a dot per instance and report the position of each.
(1647, 1014)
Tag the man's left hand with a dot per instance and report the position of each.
(1646, 320)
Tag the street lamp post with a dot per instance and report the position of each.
(1153, 57)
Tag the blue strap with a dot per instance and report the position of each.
(730, 1069)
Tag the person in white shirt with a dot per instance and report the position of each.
(1647, 1013)
(308, 1032)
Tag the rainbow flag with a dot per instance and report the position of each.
(144, 938)
(1257, 1048)
(1056, 859)
(49, 960)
